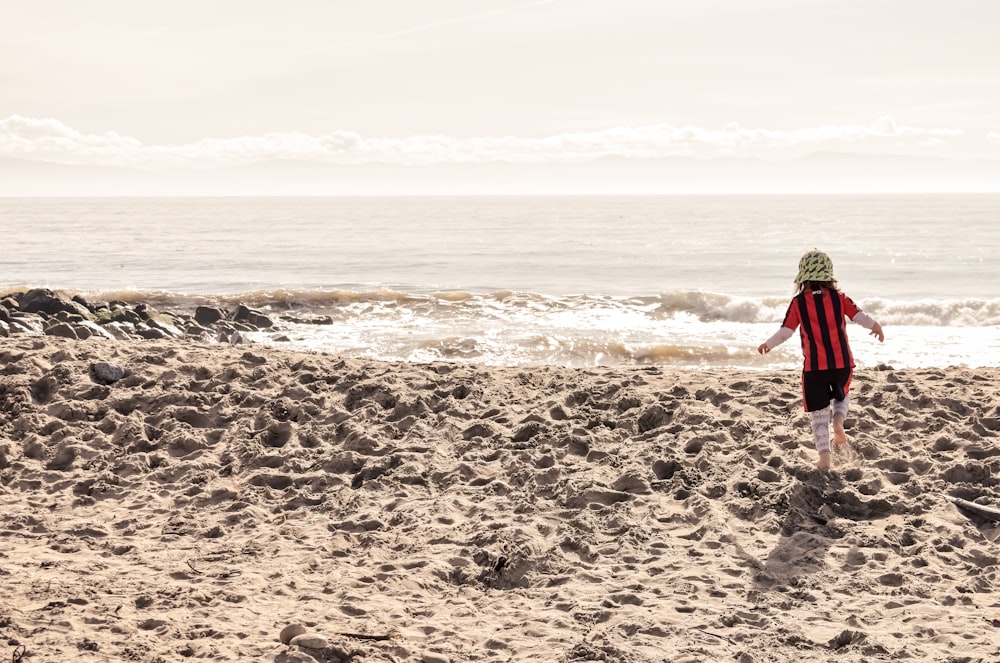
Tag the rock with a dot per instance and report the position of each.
(299, 320)
(84, 303)
(151, 333)
(310, 641)
(63, 330)
(104, 373)
(252, 317)
(195, 330)
(66, 316)
(94, 329)
(234, 338)
(144, 311)
(433, 657)
(125, 315)
(43, 300)
(119, 330)
(290, 632)
(165, 325)
(30, 324)
(208, 315)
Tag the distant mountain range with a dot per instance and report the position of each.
(824, 172)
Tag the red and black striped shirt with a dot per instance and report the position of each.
(821, 316)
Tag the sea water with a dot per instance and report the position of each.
(693, 281)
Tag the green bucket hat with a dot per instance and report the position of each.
(815, 266)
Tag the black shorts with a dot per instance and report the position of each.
(819, 387)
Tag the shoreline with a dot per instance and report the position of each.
(524, 331)
(210, 495)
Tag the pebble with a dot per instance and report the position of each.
(290, 632)
(300, 636)
(106, 373)
(310, 641)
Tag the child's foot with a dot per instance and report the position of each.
(824, 461)
(839, 436)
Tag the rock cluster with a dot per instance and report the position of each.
(41, 311)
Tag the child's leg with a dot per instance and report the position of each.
(821, 436)
(839, 416)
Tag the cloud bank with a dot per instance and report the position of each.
(48, 139)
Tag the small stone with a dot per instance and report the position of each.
(104, 373)
(310, 641)
(432, 657)
(290, 632)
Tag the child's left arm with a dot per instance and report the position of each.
(777, 339)
(870, 324)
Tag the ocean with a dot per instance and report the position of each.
(689, 281)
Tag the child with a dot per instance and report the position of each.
(818, 310)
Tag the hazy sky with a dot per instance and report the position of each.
(223, 82)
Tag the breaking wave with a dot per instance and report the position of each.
(706, 307)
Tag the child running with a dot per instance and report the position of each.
(819, 309)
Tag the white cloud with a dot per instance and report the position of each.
(51, 140)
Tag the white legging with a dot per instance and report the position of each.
(821, 423)
(841, 407)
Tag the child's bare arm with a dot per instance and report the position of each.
(780, 337)
(869, 323)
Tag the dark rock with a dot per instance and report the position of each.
(252, 317)
(83, 302)
(43, 300)
(103, 372)
(194, 329)
(151, 333)
(316, 320)
(207, 316)
(125, 314)
(66, 316)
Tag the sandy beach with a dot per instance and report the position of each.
(199, 501)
